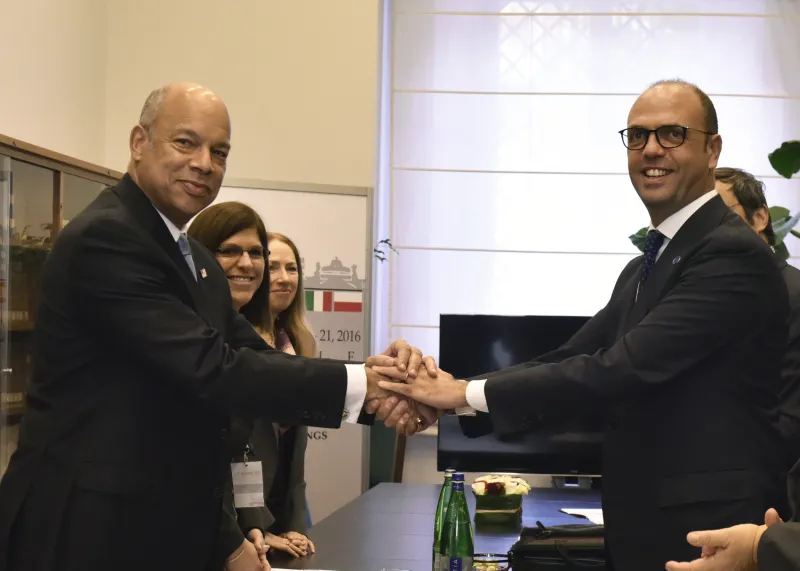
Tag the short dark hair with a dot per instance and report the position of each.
(749, 193)
(219, 222)
(709, 111)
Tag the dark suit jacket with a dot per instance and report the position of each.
(123, 454)
(779, 548)
(689, 378)
(789, 421)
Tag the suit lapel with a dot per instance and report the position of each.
(674, 256)
(147, 217)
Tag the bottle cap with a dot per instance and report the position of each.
(449, 471)
(458, 477)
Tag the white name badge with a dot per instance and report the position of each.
(248, 485)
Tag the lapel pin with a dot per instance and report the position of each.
(674, 261)
(203, 273)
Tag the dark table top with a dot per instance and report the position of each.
(391, 527)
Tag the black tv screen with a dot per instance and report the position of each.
(471, 345)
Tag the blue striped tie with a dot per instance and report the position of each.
(183, 244)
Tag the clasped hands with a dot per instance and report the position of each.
(409, 392)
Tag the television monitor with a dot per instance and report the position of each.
(470, 345)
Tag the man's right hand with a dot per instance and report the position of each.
(246, 559)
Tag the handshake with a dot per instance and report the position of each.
(409, 392)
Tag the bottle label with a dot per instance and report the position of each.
(460, 564)
(437, 561)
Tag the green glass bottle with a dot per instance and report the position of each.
(441, 510)
(458, 544)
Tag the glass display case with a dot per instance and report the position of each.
(40, 191)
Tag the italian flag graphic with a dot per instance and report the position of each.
(320, 300)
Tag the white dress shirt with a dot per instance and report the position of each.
(356, 374)
(476, 390)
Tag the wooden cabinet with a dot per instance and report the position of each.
(40, 191)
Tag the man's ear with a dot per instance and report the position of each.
(760, 219)
(139, 138)
(715, 149)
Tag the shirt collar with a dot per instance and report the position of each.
(673, 223)
(174, 230)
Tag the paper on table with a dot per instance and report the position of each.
(593, 515)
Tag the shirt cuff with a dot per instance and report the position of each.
(476, 395)
(356, 393)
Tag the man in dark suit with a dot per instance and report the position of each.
(140, 359)
(744, 194)
(684, 359)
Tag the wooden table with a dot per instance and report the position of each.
(391, 527)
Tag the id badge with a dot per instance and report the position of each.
(248, 485)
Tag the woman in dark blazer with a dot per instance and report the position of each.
(266, 287)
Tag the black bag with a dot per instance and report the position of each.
(572, 547)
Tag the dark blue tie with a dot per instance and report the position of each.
(652, 244)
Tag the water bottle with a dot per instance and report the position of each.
(441, 510)
(458, 543)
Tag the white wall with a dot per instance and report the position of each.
(299, 78)
(52, 83)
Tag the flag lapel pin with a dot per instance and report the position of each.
(203, 273)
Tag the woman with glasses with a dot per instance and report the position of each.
(244, 249)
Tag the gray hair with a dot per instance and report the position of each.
(151, 109)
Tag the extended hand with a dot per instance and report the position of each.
(441, 393)
(246, 559)
(730, 549)
(401, 361)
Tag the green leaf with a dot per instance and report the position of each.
(781, 251)
(795, 233)
(783, 226)
(786, 159)
(639, 238)
(778, 212)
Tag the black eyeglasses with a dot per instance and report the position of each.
(668, 136)
(233, 251)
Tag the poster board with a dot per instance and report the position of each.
(331, 226)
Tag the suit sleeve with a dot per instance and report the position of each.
(779, 548)
(298, 518)
(587, 340)
(726, 292)
(127, 296)
(789, 420)
(230, 536)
